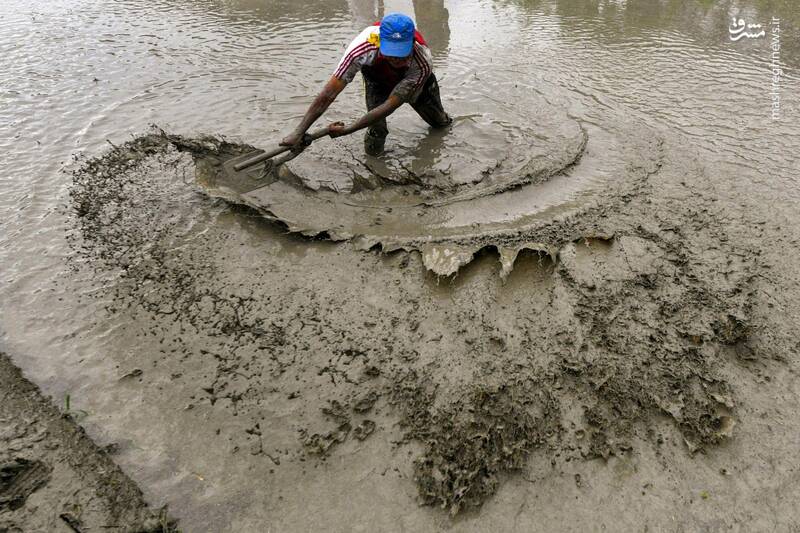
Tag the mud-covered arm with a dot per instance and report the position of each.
(338, 129)
(320, 104)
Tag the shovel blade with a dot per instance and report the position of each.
(250, 178)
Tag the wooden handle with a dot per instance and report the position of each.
(307, 140)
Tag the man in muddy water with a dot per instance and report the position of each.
(396, 64)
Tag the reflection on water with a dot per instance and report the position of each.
(703, 21)
(433, 21)
(431, 17)
(278, 10)
(365, 12)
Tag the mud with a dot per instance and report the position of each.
(471, 442)
(54, 478)
(643, 301)
(448, 224)
(605, 340)
(478, 155)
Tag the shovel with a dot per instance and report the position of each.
(240, 164)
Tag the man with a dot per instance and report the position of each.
(397, 68)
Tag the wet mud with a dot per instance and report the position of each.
(470, 442)
(575, 309)
(478, 155)
(448, 219)
(617, 326)
(54, 478)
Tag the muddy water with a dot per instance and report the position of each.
(80, 73)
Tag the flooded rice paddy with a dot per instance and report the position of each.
(601, 332)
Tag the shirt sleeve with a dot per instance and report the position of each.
(410, 87)
(360, 52)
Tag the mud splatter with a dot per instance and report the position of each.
(471, 442)
(616, 318)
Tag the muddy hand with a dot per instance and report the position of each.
(337, 129)
(294, 140)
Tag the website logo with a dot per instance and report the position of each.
(738, 27)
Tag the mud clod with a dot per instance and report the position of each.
(471, 443)
(320, 444)
(19, 479)
(365, 402)
(364, 429)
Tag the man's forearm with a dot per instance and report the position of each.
(377, 113)
(320, 104)
(317, 108)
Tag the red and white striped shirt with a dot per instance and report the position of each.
(363, 54)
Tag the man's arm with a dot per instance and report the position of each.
(320, 104)
(338, 129)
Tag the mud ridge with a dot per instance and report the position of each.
(54, 478)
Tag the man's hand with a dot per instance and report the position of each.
(337, 129)
(293, 139)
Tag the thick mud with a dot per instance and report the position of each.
(639, 306)
(54, 478)
(478, 155)
(448, 222)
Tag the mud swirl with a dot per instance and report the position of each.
(472, 196)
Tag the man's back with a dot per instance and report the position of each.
(363, 54)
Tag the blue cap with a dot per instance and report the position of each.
(397, 35)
